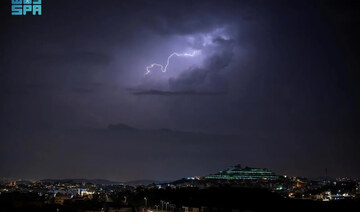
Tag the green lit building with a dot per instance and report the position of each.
(247, 173)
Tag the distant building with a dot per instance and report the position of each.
(59, 199)
(191, 209)
(247, 173)
(12, 183)
(84, 192)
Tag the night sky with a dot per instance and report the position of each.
(272, 84)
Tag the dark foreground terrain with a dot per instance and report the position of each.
(206, 200)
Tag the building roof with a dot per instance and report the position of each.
(246, 173)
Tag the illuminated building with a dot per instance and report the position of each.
(60, 199)
(247, 173)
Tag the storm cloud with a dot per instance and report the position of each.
(275, 79)
(209, 76)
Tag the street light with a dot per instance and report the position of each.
(145, 201)
(166, 204)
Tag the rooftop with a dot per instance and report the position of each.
(246, 173)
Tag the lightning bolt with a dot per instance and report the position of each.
(163, 68)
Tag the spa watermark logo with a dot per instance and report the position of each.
(26, 7)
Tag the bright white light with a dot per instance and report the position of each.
(164, 68)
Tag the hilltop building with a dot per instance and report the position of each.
(247, 173)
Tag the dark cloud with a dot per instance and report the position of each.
(199, 16)
(82, 90)
(89, 87)
(177, 93)
(209, 76)
(121, 152)
(41, 58)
